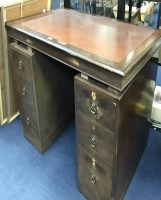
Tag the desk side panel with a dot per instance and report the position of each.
(3, 112)
(54, 89)
(134, 109)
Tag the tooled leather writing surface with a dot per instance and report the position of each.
(103, 37)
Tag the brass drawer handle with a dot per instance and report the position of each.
(94, 108)
(24, 91)
(93, 179)
(93, 142)
(28, 121)
(20, 65)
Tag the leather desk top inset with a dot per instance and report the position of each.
(108, 39)
(109, 44)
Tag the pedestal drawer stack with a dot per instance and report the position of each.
(46, 102)
(111, 134)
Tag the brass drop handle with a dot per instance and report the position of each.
(93, 179)
(94, 108)
(20, 65)
(28, 121)
(24, 91)
(93, 142)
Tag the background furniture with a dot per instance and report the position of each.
(147, 9)
(11, 10)
(135, 13)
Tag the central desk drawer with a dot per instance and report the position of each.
(95, 140)
(97, 107)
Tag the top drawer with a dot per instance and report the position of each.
(22, 61)
(97, 107)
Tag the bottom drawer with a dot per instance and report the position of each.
(94, 182)
(29, 123)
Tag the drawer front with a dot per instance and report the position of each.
(95, 140)
(93, 180)
(25, 91)
(29, 122)
(22, 63)
(96, 107)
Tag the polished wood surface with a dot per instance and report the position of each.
(104, 37)
(89, 43)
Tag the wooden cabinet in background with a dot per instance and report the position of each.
(11, 10)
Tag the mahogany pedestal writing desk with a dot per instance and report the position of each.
(113, 92)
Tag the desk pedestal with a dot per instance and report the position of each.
(112, 133)
(46, 100)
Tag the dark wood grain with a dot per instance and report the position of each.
(133, 112)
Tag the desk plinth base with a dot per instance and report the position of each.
(42, 147)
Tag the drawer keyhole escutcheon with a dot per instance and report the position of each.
(93, 179)
(94, 108)
(24, 91)
(20, 65)
(93, 142)
(93, 95)
(28, 121)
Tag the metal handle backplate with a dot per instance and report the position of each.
(28, 121)
(93, 179)
(20, 65)
(24, 91)
(93, 142)
(93, 108)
